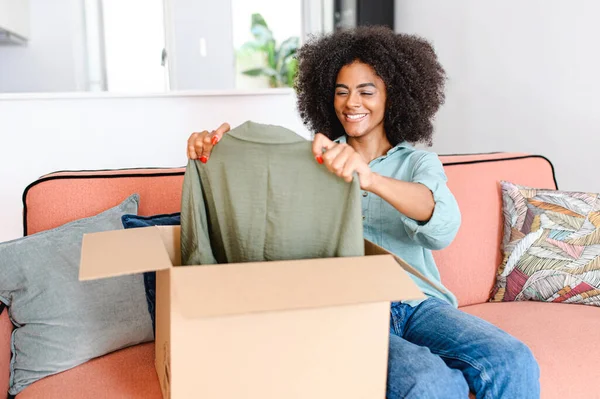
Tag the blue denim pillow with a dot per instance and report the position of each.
(135, 221)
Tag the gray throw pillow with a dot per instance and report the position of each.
(60, 321)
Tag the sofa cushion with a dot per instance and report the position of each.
(565, 339)
(136, 221)
(128, 373)
(551, 246)
(468, 266)
(60, 321)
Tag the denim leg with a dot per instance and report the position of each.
(416, 373)
(495, 364)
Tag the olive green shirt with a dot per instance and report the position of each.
(263, 197)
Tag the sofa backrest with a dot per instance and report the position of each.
(468, 266)
(59, 198)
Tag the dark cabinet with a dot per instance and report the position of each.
(352, 13)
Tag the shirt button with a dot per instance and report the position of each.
(364, 217)
(365, 193)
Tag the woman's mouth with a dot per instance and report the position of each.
(354, 117)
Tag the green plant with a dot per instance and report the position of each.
(280, 62)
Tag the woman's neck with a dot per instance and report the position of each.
(370, 146)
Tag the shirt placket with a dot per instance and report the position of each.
(366, 198)
(372, 207)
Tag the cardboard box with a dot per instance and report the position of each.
(314, 328)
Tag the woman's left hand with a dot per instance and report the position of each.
(342, 160)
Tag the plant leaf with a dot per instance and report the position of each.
(287, 48)
(289, 70)
(270, 48)
(250, 46)
(257, 19)
(262, 34)
(260, 72)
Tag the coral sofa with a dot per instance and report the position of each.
(564, 338)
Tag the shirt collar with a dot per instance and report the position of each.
(404, 144)
(267, 134)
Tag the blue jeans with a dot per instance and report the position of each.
(438, 351)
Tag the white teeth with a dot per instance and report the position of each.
(357, 116)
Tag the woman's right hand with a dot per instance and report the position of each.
(200, 145)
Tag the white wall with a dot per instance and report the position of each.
(53, 60)
(189, 21)
(523, 76)
(14, 17)
(39, 136)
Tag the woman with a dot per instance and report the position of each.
(371, 92)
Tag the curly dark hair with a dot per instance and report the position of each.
(407, 64)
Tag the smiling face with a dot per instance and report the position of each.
(359, 100)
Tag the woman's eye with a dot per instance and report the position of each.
(366, 93)
(341, 93)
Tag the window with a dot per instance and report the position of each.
(284, 22)
(125, 42)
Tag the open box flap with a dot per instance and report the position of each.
(374, 249)
(228, 289)
(121, 252)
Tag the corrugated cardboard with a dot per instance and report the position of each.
(374, 249)
(313, 328)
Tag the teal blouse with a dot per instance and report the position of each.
(411, 240)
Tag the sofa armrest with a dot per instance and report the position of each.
(5, 333)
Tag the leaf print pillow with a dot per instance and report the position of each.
(551, 246)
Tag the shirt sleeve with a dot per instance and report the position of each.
(439, 231)
(195, 240)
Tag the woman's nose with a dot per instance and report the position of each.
(354, 100)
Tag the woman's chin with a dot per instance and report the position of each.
(354, 132)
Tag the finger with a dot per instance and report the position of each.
(199, 145)
(350, 167)
(319, 143)
(191, 150)
(217, 135)
(338, 164)
(207, 146)
(331, 154)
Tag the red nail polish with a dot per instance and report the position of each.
(203, 159)
(215, 140)
(319, 159)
